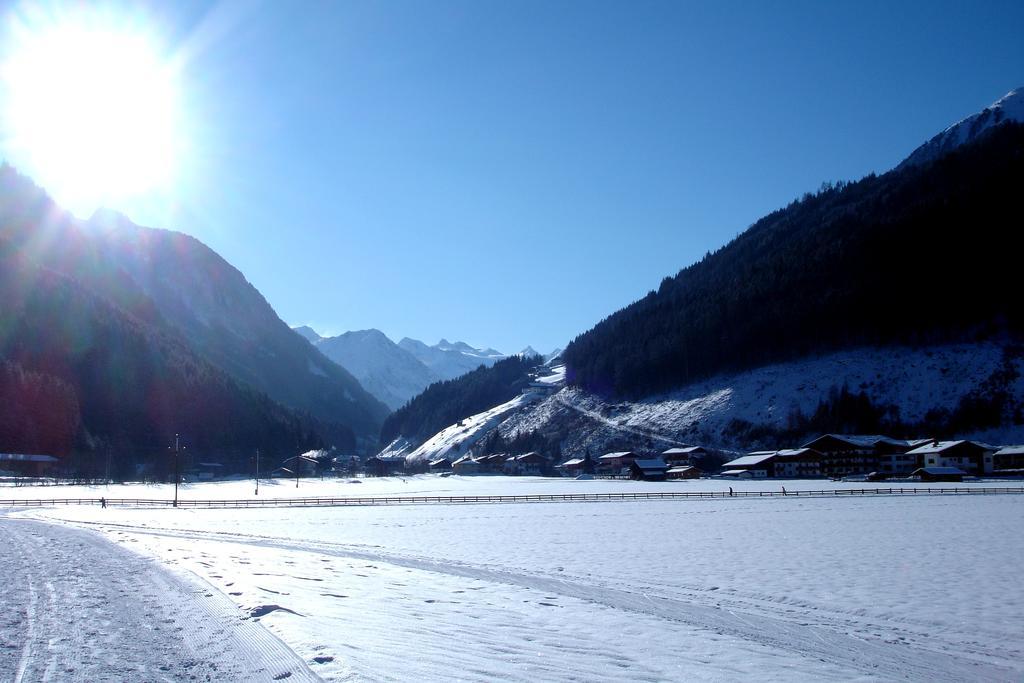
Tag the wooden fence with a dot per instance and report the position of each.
(533, 498)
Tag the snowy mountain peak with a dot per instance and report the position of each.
(1010, 107)
(307, 333)
(529, 351)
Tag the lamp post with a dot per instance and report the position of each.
(257, 471)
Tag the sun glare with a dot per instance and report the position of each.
(92, 110)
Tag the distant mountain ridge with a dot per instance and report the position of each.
(395, 373)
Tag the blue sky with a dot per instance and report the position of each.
(509, 173)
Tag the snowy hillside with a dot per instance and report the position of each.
(1008, 108)
(455, 441)
(746, 410)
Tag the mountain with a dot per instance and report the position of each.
(449, 360)
(226, 320)
(923, 254)
(1009, 108)
(446, 403)
(308, 333)
(887, 305)
(389, 372)
(157, 314)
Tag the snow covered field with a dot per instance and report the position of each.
(772, 589)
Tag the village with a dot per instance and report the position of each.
(831, 456)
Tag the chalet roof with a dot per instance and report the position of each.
(651, 464)
(572, 463)
(939, 470)
(688, 450)
(731, 473)
(532, 455)
(438, 461)
(936, 447)
(26, 457)
(863, 440)
(797, 452)
(681, 469)
(617, 456)
(755, 458)
(1011, 450)
(387, 458)
(465, 458)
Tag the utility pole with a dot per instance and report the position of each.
(176, 470)
(257, 471)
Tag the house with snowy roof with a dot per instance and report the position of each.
(939, 474)
(1008, 458)
(679, 457)
(467, 464)
(973, 457)
(526, 464)
(648, 469)
(756, 465)
(684, 472)
(573, 467)
(790, 463)
(845, 454)
(615, 464)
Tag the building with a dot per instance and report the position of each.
(679, 457)
(1008, 458)
(939, 474)
(385, 465)
(573, 467)
(971, 457)
(652, 469)
(683, 472)
(29, 465)
(467, 464)
(527, 464)
(797, 463)
(492, 464)
(756, 465)
(615, 464)
(440, 465)
(846, 454)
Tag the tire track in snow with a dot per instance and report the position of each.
(112, 615)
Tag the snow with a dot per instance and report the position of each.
(914, 380)
(457, 439)
(722, 589)
(752, 459)
(448, 360)
(1010, 107)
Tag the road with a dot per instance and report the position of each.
(77, 607)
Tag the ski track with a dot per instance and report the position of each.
(851, 642)
(78, 608)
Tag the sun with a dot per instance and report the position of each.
(91, 107)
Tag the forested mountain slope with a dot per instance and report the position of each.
(926, 253)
